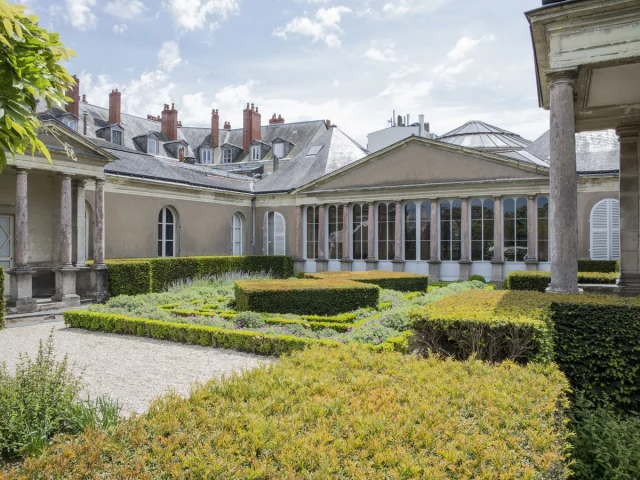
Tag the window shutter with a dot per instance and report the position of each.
(265, 230)
(615, 230)
(279, 237)
(600, 231)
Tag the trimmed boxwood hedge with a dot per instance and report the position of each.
(128, 277)
(2, 304)
(539, 281)
(304, 297)
(402, 282)
(599, 266)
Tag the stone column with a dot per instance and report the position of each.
(398, 260)
(629, 281)
(20, 283)
(345, 261)
(531, 261)
(99, 285)
(298, 261)
(434, 257)
(66, 273)
(80, 236)
(465, 261)
(322, 262)
(371, 261)
(497, 262)
(563, 186)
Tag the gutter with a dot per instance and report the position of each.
(174, 182)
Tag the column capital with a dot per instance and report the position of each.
(556, 77)
(532, 197)
(22, 170)
(80, 182)
(99, 181)
(497, 197)
(65, 175)
(629, 132)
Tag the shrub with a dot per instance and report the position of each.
(396, 319)
(372, 334)
(478, 278)
(342, 413)
(313, 297)
(606, 443)
(126, 277)
(539, 281)
(493, 326)
(403, 282)
(250, 320)
(599, 266)
(2, 304)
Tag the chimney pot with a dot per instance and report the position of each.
(328, 123)
(251, 126)
(170, 122)
(84, 98)
(114, 107)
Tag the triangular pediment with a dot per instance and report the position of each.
(417, 161)
(59, 138)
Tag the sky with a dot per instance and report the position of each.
(350, 61)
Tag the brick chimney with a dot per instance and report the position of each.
(251, 126)
(170, 122)
(328, 123)
(276, 120)
(215, 128)
(73, 92)
(181, 155)
(227, 125)
(84, 98)
(114, 107)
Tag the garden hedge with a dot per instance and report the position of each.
(2, 303)
(337, 413)
(599, 266)
(539, 281)
(305, 296)
(403, 282)
(128, 277)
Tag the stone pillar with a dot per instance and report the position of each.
(371, 261)
(80, 254)
(66, 273)
(20, 283)
(322, 262)
(497, 262)
(563, 186)
(298, 261)
(398, 260)
(434, 257)
(99, 287)
(465, 241)
(531, 261)
(629, 281)
(345, 261)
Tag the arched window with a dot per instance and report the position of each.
(605, 230)
(515, 229)
(542, 206)
(386, 231)
(167, 232)
(450, 223)
(425, 231)
(274, 234)
(482, 240)
(410, 232)
(237, 234)
(313, 214)
(360, 232)
(336, 234)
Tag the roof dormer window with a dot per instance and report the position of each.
(226, 155)
(206, 156)
(70, 122)
(152, 146)
(278, 149)
(116, 137)
(255, 152)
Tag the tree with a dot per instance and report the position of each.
(29, 57)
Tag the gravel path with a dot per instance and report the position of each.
(134, 370)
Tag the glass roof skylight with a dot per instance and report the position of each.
(314, 150)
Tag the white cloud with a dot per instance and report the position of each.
(406, 95)
(382, 54)
(452, 70)
(466, 45)
(405, 71)
(404, 7)
(335, 83)
(324, 27)
(80, 15)
(169, 56)
(194, 14)
(119, 29)
(124, 8)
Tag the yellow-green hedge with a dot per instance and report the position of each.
(539, 281)
(304, 297)
(600, 266)
(2, 304)
(337, 413)
(403, 282)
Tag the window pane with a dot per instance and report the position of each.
(476, 251)
(169, 232)
(159, 248)
(445, 251)
(456, 210)
(168, 249)
(169, 215)
(455, 254)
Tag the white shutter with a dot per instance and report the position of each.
(279, 234)
(605, 230)
(615, 230)
(265, 230)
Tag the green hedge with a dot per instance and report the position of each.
(305, 297)
(2, 304)
(128, 277)
(402, 282)
(599, 266)
(539, 281)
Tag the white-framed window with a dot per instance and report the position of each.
(116, 137)
(70, 122)
(386, 231)
(255, 152)
(313, 215)
(336, 231)
(206, 156)
(152, 146)
(515, 228)
(482, 223)
(450, 230)
(275, 230)
(168, 232)
(226, 155)
(237, 233)
(360, 225)
(605, 230)
(542, 215)
(278, 149)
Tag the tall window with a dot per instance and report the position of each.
(226, 155)
(360, 232)
(255, 153)
(116, 137)
(274, 234)
(410, 232)
(237, 231)
(336, 233)
(167, 232)
(313, 213)
(605, 230)
(482, 219)
(543, 228)
(425, 231)
(515, 229)
(152, 146)
(386, 231)
(206, 156)
(278, 149)
(450, 223)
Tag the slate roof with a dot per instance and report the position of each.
(482, 136)
(338, 150)
(595, 151)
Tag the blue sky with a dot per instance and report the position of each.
(350, 61)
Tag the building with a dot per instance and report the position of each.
(396, 131)
(144, 187)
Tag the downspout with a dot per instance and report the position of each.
(253, 226)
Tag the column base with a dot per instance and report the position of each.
(66, 287)
(398, 265)
(322, 265)
(497, 272)
(99, 283)
(434, 271)
(371, 264)
(465, 269)
(568, 291)
(21, 290)
(532, 264)
(346, 265)
(629, 285)
(298, 265)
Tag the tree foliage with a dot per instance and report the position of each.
(29, 62)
